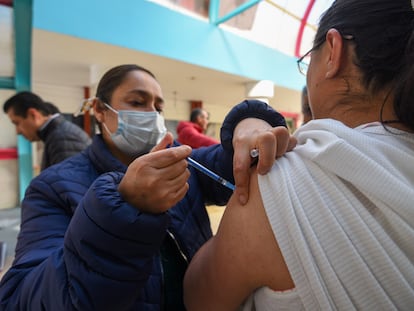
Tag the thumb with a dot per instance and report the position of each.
(168, 139)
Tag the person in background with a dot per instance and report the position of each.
(306, 111)
(51, 108)
(38, 120)
(114, 227)
(192, 132)
(330, 227)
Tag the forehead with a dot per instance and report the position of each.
(13, 117)
(138, 80)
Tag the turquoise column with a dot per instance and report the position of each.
(24, 156)
(215, 8)
(22, 80)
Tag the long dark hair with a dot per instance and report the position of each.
(383, 34)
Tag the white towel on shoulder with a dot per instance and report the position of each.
(341, 206)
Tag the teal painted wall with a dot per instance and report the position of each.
(148, 27)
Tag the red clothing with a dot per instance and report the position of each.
(191, 134)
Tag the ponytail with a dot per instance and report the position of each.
(404, 94)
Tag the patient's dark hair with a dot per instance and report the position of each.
(383, 36)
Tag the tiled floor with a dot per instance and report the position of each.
(10, 225)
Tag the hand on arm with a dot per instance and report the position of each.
(240, 258)
(270, 142)
(155, 182)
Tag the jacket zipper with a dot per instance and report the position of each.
(171, 235)
(178, 246)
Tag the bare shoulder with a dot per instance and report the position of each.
(241, 257)
(252, 239)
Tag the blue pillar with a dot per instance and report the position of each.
(24, 154)
(236, 11)
(213, 10)
(22, 80)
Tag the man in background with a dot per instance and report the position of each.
(38, 120)
(192, 132)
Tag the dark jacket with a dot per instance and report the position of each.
(61, 139)
(82, 247)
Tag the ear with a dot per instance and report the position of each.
(33, 113)
(98, 110)
(334, 42)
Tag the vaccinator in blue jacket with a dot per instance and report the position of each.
(114, 227)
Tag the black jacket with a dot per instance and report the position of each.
(62, 139)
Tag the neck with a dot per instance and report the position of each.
(354, 105)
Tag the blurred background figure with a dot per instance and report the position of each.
(306, 111)
(38, 120)
(192, 132)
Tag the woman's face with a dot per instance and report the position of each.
(139, 91)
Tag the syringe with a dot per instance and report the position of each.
(210, 174)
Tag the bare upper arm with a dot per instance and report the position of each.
(243, 256)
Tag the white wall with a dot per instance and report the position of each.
(66, 98)
(8, 168)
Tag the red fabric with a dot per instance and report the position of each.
(191, 134)
(8, 153)
(6, 2)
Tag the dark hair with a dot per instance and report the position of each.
(383, 35)
(304, 91)
(113, 78)
(195, 113)
(23, 101)
(305, 102)
(52, 109)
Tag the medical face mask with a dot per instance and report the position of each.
(138, 131)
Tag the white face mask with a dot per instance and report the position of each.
(138, 131)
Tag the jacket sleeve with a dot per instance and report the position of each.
(219, 158)
(250, 108)
(99, 259)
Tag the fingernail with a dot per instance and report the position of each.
(242, 199)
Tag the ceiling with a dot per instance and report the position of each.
(79, 62)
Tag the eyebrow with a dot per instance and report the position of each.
(145, 94)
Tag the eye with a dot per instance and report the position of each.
(136, 103)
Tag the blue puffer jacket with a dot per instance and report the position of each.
(82, 247)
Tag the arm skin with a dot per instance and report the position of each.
(242, 257)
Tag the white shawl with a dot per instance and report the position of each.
(341, 206)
